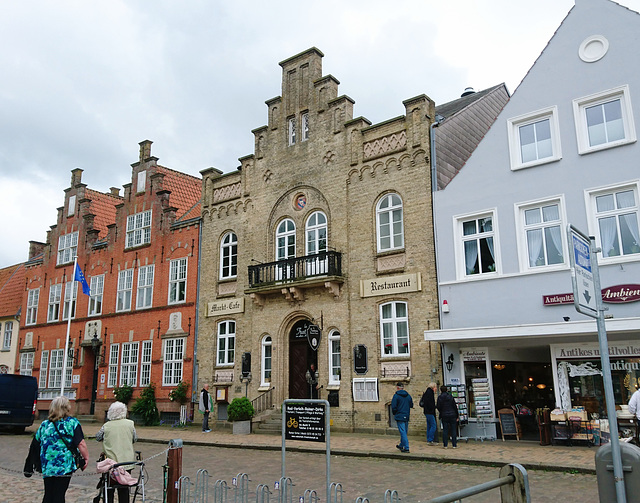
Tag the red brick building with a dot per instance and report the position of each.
(139, 254)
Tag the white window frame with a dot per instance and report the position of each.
(173, 361)
(70, 296)
(522, 228)
(67, 248)
(144, 295)
(33, 298)
(226, 343)
(95, 298)
(580, 105)
(55, 299)
(8, 333)
(514, 126)
(594, 227)
(44, 364)
(229, 256)
(178, 281)
(393, 323)
(55, 368)
(138, 229)
(145, 363)
(142, 181)
(316, 241)
(129, 364)
(71, 208)
(334, 350)
(266, 361)
(458, 224)
(125, 290)
(26, 363)
(391, 211)
(291, 130)
(365, 389)
(112, 373)
(304, 133)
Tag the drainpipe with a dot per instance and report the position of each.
(195, 327)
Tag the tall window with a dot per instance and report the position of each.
(478, 244)
(70, 295)
(129, 364)
(229, 256)
(125, 288)
(144, 298)
(26, 364)
(71, 209)
(67, 247)
(178, 281)
(334, 357)
(95, 299)
(390, 224)
(44, 365)
(305, 126)
(55, 295)
(112, 376)
(142, 179)
(543, 234)
(286, 240)
(617, 217)
(173, 357)
(291, 130)
(316, 242)
(394, 328)
(32, 306)
(55, 368)
(139, 229)
(265, 370)
(226, 342)
(8, 332)
(145, 363)
(534, 138)
(604, 120)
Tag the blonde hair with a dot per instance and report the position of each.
(59, 408)
(432, 385)
(117, 410)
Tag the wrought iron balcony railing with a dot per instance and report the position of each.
(296, 269)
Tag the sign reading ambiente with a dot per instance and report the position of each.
(617, 294)
(390, 284)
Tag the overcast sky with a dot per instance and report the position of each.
(83, 82)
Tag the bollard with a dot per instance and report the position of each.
(630, 455)
(174, 461)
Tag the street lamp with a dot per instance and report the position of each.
(96, 343)
(312, 378)
(449, 362)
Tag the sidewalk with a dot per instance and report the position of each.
(577, 459)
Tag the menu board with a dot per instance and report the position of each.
(460, 397)
(481, 397)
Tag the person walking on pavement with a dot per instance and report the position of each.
(205, 407)
(401, 406)
(634, 405)
(428, 404)
(448, 409)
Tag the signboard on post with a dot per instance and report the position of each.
(580, 257)
(305, 421)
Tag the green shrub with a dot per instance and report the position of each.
(145, 407)
(180, 393)
(240, 409)
(123, 393)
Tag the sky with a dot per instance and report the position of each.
(83, 82)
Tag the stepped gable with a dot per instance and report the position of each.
(103, 206)
(12, 281)
(186, 191)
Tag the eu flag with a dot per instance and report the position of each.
(78, 276)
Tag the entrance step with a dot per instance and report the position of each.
(86, 419)
(269, 422)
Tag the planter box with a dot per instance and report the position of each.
(242, 427)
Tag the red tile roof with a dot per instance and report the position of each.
(103, 206)
(11, 289)
(186, 191)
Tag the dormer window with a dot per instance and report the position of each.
(72, 206)
(139, 229)
(292, 130)
(142, 179)
(67, 248)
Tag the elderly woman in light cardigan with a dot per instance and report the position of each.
(117, 436)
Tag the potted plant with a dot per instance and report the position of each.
(240, 412)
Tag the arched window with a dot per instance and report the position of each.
(265, 367)
(229, 256)
(394, 328)
(285, 248)
(389, 223)
(316, 242)
(334, 357)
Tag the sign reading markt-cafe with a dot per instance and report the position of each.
(390, 285)
(226, 306)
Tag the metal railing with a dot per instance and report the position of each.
(264, 401)
(327, 263)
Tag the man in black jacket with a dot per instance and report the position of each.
(448, 409)
(428, 404)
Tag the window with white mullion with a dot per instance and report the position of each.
(265, 368)
(8, 332)
(305, 126)
(543, 230)
(69, 370)
(129, 364)
(138, 229)
(390, 225)
(125, 288)
(478, 244)
(55, 368)
(26, 364)
(365, 389)
(145, 363)
(55, 297)
(173, 361)
(32, 306)
(44, 364)
(178, 281)
(394, 328)
(534, 138)
(70, 296)
(112, 375)
(67, 248)
(291, 130)
(617, 217)
(226, 342)
(229, 256)
(95, 299)
(334, 357)
(144, 298)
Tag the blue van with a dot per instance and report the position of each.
(18, 400)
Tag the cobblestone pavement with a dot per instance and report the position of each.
(365, 465)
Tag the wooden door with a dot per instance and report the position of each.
(298, 387)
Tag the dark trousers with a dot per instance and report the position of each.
(205, 421)
(55, 488)
(123, 495)
(450, 426)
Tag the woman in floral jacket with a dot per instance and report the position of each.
(57, 460)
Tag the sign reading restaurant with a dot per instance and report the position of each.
(390, 285)
(618, 294)
(227, 306)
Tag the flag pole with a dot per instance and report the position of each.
(66, 341)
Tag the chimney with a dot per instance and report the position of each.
(115, 191)
(145, 150)
(76, 176)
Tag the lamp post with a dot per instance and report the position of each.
(246, 378)
(96, 343)
(312, 378)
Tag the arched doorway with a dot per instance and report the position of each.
(301, 356)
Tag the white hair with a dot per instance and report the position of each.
(117, 410)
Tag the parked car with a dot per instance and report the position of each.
(18, 400)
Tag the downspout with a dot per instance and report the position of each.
(194, 391)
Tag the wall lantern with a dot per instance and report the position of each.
(449, 363)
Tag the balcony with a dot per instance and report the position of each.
(292, 275)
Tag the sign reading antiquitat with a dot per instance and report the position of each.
(305, 421)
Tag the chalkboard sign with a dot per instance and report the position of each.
(508, 424)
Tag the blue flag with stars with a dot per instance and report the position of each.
(78, 276)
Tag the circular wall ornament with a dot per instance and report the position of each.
(593, 48)
(300, 202)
